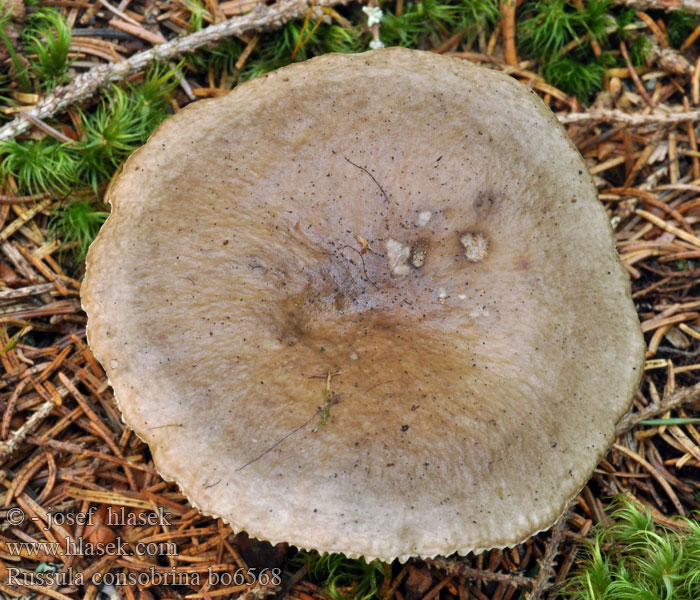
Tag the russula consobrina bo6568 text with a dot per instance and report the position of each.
(367, 304)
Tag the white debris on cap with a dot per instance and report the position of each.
(475, 246)
(423, 218)
(481, 311)
(419, 252)
(398, 255)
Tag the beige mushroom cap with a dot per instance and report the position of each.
(419, 226)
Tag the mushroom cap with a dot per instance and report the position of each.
(421, 229)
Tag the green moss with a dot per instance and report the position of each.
(640, 51)
(76, 224)
(549, 25)
(308, 40)
(421, 24)
(120, 123)
(115, 127)
(5, 18)
(344, 578)
(44, 165)
(219, 59)
(48, 37)
(112, 131)
(680, 26)
(575, 77)
(642, 560)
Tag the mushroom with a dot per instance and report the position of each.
(367, 304)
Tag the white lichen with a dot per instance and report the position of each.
(475, 246)
(398, 255)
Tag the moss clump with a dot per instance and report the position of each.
(636, 558)
(344, 578)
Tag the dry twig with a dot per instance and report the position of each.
(678, 398)
(458, 568)
(667, 5)
(542, 582)
(618, 116)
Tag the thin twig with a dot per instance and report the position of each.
(5, 199)
(52, 131)
(381, 189)
(654, 473)
(678, 398)
(508, 28)
(323, 411)
(119, 13)
(460, 569)
(542, 581)
(635, 76)
(614, 115)
(362, 258)
(667, 5)
(8, 447)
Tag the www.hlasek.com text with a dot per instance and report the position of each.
(81, 547)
